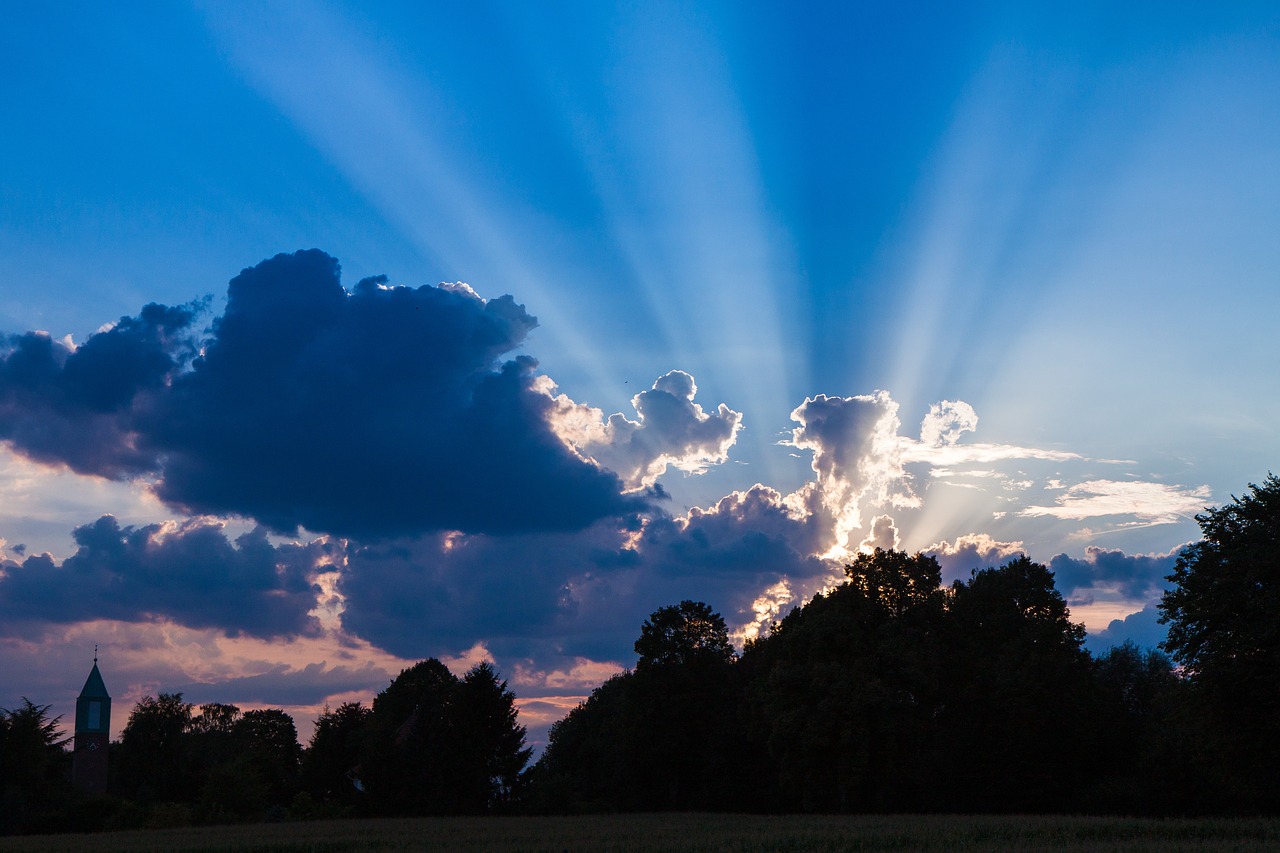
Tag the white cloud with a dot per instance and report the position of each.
(950, 473)
(461, 287)
(967, 454)
(882, 534)
(671, 430)
(939, 445)
(946, 422)
(1155, 503)
(856, 456)
(767, 609)
(972, 551)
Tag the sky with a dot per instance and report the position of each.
(334, 336)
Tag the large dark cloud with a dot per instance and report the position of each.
(1132, 576)
(1135, 577)
(381, 412)
(554, 597)
(79, 406)
(547, 598)
(190, 574)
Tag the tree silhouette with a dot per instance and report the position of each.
(487, 724)
(686, 633)
(442, 745)
(894, 580)
(1139, 725)
(406, 765)
(268, 741)
(229, 765)
(589, 762)
(214, 718)
(666, 736)
(1223, 614)
(1017, 686)
(156, 763)
(211, 742)
(330, 765)
(34, 766)
(844, 690)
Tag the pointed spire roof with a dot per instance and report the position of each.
(93, 686)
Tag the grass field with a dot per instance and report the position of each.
(686, 832)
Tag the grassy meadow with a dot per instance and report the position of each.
(686, 832)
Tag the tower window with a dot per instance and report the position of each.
(95, 715)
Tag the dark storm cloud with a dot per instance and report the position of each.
(553, 597)
(438, 594)
(190, 574)
(744, 534)
(385, 411)
(79, 406)
(1133, 576)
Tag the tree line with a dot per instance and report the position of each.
(892, 693)
(887, 693)
(431, 743)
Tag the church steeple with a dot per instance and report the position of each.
(93, 730)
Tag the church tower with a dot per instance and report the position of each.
(93, 730)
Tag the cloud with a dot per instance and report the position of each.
(969, 552)
(581, 674)
(882, 534)
(548, 599)
(948, 455)
(974, 473)
(434, 594)
(49, 661)
(1155, 503)
(856, 457)
(375, 413)
(946, 422)
(471, 511)
(671, 430)
(939, 445)
(1142, 628)
(1121, 576)
(1139, 577)
(769, 607)
(748, 555)
(380, 412)
(79, 407)
(283, 684)
(188, 573)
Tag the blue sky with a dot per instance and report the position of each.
(1059, 221)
